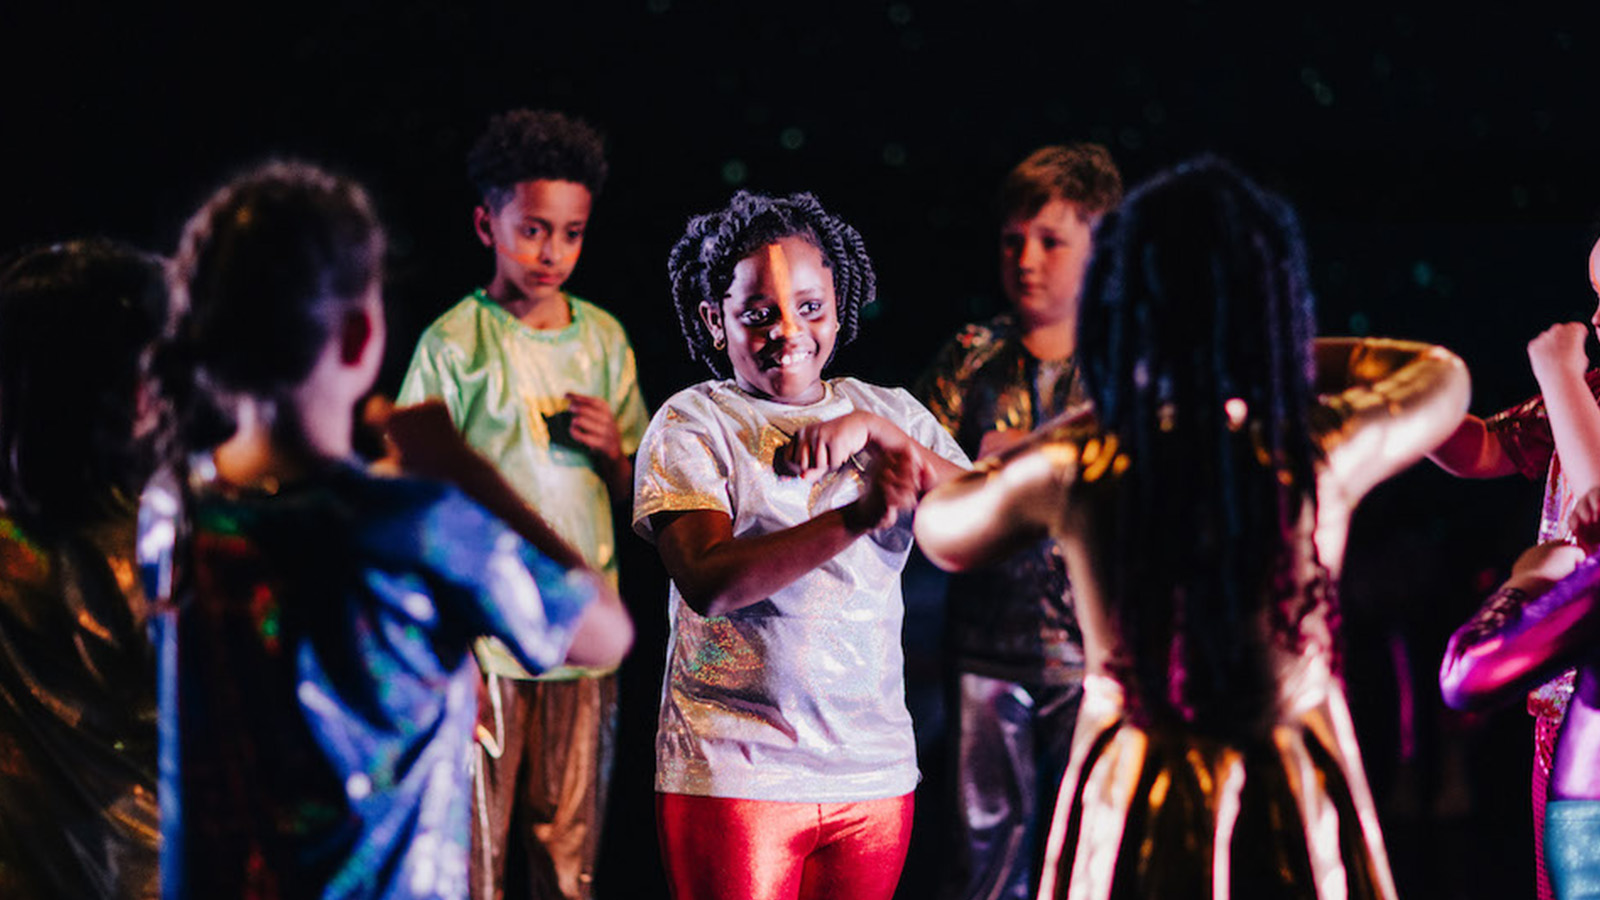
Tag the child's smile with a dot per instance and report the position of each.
(779, 320)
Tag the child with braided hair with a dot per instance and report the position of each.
(779, 502)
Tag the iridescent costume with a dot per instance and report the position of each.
(1516, 640)
(1010, 627)
(77, 717)
(1149, 808)
(318, 694)
(799, 697)
(547, 743)
(1524, 434)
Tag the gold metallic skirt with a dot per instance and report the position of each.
(1172, 815)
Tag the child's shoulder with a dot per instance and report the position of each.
(699, 400)
(875, 397)
(462, 321)
(594, 316)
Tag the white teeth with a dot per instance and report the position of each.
(789, 359)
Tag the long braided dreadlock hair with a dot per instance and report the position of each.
(1195, 333)
(702, 261)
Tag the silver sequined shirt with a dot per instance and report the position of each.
(800, 696)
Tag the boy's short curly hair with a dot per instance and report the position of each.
(534, 145)
(1081, 174)
(701, 263)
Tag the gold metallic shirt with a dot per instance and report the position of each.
(1014, 619)
(77, 717)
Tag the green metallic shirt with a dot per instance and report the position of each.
(500, 381)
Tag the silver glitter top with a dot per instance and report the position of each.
(800, 696)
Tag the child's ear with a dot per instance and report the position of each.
(481, 222)
(356, 333)
(711, 314)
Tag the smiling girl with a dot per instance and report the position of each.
(779, 502)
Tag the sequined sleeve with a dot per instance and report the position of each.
(1524, 434)
(1524, 431)
(506, 588)
(943, 388)
(682, 464)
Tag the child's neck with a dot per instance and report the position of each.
(545, 311)
(280, 442)
(1053, 341)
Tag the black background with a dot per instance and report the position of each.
(1443, 164)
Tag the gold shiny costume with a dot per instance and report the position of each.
(1157, 811)
(78, 811)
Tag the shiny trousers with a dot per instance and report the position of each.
(1572, 840)
(721, 848)
(1014, 743)
(539, 787)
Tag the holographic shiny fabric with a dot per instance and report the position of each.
(1010, 628)
(801, 696)
(318, 691)
(719, 848)
(1153, 806)
(1524, 433)
(1572, 846)
(1159, 811)
(501, 380)
(1013, 620)
(504, 384)
(77, 717)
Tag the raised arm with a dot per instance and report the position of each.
(1004, 504)
(1559, 364)
(1385, 404)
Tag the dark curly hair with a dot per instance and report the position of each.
(262, 273)
(77, 323)
(702, 261)
(1081, 174)
(534, 145)
(1195, 336)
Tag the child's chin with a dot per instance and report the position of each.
(793, 388)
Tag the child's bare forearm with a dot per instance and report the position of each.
(717, 573)
(889, 436)
(1575, 426)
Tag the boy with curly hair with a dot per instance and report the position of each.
(544, 384)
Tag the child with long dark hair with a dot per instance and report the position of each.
(77, 677)
(1203, 506)
(779, 501)
(317, 687)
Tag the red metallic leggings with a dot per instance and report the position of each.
(719, 848)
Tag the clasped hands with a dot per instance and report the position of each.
(896, 476)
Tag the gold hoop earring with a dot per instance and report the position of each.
(717, 343)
